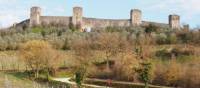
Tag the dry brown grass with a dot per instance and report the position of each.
(173, 73)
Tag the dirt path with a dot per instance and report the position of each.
(138, 85)
(67, 80)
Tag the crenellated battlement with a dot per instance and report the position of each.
(78, 19)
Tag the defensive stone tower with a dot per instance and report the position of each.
(35, 16)
(186, 27)
(174, 21)
(77, 18)
(136, 17)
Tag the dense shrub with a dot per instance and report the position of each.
(173, 73)
(58, 35)
(151, 28)
(3, 44)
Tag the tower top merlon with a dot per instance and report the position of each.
(174, 16)
(77, 7)
(136, 10)
(35, 7)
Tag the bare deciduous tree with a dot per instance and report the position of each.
(39, 55)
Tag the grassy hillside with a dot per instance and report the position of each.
(14, 81)
(159, 56)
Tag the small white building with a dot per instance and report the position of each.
(87, 29)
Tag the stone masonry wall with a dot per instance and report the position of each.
(87, 22)
(94, 22)
(55, 20)
(77, 18)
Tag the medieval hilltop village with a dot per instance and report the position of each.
(36, 19)
(77, 51)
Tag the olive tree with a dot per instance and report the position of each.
(39, 55)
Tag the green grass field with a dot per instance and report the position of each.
(13, 81)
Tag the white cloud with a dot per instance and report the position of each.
(7, 1)
(178, 6)
(8, 20)
(189, 10)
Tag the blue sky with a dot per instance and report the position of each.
(12, 11)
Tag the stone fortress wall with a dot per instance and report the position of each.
(94, 22)
(57, 20)
(78, 19)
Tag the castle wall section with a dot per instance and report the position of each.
(102, 23)
(79, 20)
(55, 20)
(163, 25)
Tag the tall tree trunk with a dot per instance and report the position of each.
(107, 65)
(146, 85)
(36, 73)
